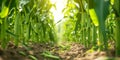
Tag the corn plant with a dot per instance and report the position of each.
(26, 21)
(116, 8)
(90, 23)
(4, 26)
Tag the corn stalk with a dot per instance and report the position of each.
(116, 7)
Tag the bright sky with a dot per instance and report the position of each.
(60, 5)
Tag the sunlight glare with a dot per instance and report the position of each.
(57, 12)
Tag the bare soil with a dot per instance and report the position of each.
(71, 51)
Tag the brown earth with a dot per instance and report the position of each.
(71, 51)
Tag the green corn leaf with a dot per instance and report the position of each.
(49, 55)
(4, 12)
(33, 57)
(17, 27)
(102, 9)
(22, 53)
(12, 34)
(112, 2)
(94, 17)
(3, 34)
(116, 7)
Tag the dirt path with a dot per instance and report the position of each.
(72, 51)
